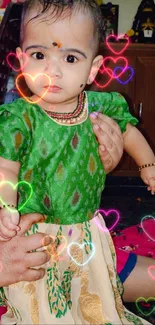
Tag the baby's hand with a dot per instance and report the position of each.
(8, 223)
(148, 177)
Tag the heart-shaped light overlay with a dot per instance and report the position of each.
(54, 253)
(142, 299)
(128, 69)
(150, 269)
(33, 78)
(106, 213)
(111, 38)
(109, 59)
(144, 226)
(104, 83)
(15, 56)
(14, 187)
(81, 246)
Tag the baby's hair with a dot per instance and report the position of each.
(64, 8)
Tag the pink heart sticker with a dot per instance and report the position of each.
(13, 56)
(106, 213)
(112, 72)
(112, 38)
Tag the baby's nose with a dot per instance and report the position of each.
(53, 69)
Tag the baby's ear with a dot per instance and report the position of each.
(97, 62)
(20, 56)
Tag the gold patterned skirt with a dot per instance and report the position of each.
(80, 285)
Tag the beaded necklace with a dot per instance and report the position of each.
(70, 118)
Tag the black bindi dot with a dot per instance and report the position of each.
(55, 44)
(81, 86)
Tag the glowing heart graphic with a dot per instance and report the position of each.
(33, 79)
(54, 251)
(14, 55)
(14, 188)
(130, 76)
(104, 84)
(116, 38)
(106, 213)
(81, 246)
(115, 60)
(142, 299)
(150, 268)
(144, 226)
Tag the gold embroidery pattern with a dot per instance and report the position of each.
(34, 308)
(90, 304)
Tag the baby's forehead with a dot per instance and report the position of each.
(79, 23)
(35, 14)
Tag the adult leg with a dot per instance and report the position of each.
(139, 283)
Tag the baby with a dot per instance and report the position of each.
(49, 147)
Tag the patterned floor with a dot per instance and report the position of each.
(131, 199)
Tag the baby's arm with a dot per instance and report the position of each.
(138, 148)
(9, 216)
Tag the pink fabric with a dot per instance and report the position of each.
(2, 311)
(139, 239)
(4, 3)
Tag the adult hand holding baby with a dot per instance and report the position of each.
(17, 261)
(110, 140)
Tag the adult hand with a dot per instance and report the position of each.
(17, 262)
(110, 140)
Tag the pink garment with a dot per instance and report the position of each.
(139, 239)
(2, 311)
(4, 3)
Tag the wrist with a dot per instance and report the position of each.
(146, 166)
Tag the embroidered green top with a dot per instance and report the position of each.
(60, 163)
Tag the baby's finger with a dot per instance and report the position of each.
(7, 223)
(6, 232)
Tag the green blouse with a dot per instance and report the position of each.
(59, 163)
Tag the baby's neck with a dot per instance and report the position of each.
(64, 107)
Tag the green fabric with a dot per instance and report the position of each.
(113, 105)
(60, 162)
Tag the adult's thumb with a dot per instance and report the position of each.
(27, 220)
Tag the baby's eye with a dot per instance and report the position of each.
(71, 59)
(38, 56)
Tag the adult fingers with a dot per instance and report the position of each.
(103, 137)
(112, 131)
(32, 275)
(35, 241)
(109, 141)
(37, 258)
(106, 160)
(105, 122)
(27, 220)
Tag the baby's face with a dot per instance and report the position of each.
(62, 50)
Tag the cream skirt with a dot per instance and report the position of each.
(80, 285)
